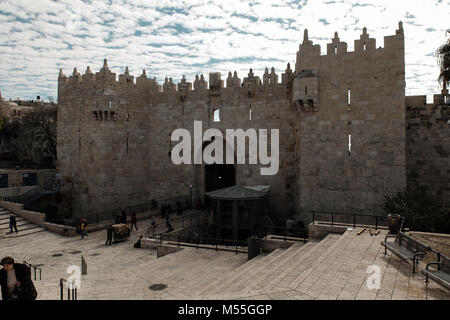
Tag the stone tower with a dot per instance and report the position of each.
(351, 120)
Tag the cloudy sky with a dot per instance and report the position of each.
(183, 37)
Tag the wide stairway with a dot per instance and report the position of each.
(333, 268)
(269, 273)
(23, 226)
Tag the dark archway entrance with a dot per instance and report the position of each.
(219, 176)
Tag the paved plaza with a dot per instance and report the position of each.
(334, 268)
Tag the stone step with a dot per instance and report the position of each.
(245, 280)
(227, 279)
(303, 259)
(208, 273)
(304, 274)
(21, 223)
(282, 269)
(6, 221)
(25, 232)
(346, 267)
(248, 270)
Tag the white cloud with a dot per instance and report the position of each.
(39, 37)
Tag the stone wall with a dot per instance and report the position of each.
(331, 175)
(114, 136)
(428, 145)
(114, 145)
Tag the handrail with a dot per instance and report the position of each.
(189, 216)
(141, 207)
(74, 290)
(34, 268)
(199, 240)
(354, 215)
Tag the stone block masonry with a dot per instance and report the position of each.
(341, 116)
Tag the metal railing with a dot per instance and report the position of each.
(72, 293)
(186, 220)
(182, 240)
(35, 268)
(286, 232)
(26, 197)
(100, 216)
(341, 218)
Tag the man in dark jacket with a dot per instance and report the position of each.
(109, 235)
(123, 217)
(13, 223)
(13, 276)
(133, 221)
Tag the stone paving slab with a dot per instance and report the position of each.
(334, 268)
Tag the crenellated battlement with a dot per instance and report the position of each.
(423, 114)
(309, 54)
(251, 84)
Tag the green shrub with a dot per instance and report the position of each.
(422, 211)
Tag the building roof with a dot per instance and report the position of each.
(239, 193)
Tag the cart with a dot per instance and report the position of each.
(121, 232)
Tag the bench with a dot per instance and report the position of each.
(406, 247)
(441, 275)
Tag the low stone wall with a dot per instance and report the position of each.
(318, 230)
(37, 218)
(17, 208)
(271, 244)
(60, 229)
(161, 249)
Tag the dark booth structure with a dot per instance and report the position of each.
(239, 211)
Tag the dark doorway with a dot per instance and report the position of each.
(218, 176)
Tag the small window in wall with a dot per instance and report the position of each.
(335, 50)
(250, 114)
(216, 115)
(110, 104)
(349, 96)
(306, 90)
(128, 116)
(365, 47)
(349, 144)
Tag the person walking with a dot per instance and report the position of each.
(133, 221)
(83, 229)
(123, 217)
(13, 223)
(153, 226)
(168, 225)
(109, 235)
(15, 280)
